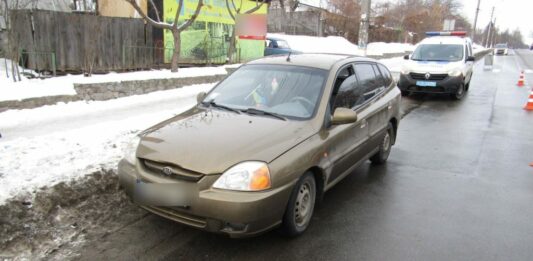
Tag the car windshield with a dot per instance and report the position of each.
(285, 90)
(438, 52)
(501, 46)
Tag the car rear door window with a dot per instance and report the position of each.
(385, 73)
(369, 84)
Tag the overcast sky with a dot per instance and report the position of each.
(510, 14)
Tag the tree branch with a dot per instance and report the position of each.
(178, 12)
(229, 10)
(146, 18)
(256, 7)
(156, 11)
(193, 17)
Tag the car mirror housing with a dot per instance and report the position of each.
(343, 116)
(471, 59)
(406, 57)
(200, 97)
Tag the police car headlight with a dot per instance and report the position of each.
(455, 72)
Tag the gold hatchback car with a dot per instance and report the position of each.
(263, 145)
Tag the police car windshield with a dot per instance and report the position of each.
(438, 52)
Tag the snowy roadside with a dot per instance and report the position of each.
(44, 146)
(64, 85)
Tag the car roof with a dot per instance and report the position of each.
(444, 40)
(321, 61)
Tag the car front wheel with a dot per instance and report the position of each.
(460, 93)
(301, 205)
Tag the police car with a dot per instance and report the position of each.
(441, 63)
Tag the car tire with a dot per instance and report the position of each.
(460, 93)
(302, 200)
(384, 147)
(405, 93)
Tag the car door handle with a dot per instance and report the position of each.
(389, 107)
(363, 123)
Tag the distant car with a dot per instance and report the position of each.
(501, 49)
(531, 47)
(442, 63)
(276, 46)
(264, 144)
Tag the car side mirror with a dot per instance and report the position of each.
(471, 59)
(200, 97)
(343, 116)
(406, 57)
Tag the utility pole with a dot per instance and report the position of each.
(475, 22)
(365, 24)
(490, 28)
(493, 33)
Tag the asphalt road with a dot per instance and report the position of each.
(457, 186)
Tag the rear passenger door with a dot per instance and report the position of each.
(373, 85)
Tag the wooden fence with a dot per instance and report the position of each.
(80, 42)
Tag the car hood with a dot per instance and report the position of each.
(210, 141)
(432, 67)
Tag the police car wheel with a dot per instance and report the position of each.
(460, 93)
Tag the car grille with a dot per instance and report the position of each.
(177, 172)
(432, 77)
(177, 216)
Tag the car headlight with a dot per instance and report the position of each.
(455, 72)
(405, 71)
(245, 176)
(131, 149)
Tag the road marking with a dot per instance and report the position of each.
(496, 70)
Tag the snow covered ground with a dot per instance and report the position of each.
(47, 145)
(337, 44)
(63, 85)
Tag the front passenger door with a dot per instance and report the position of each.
(347, 141)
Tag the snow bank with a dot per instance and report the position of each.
(93, 139)
(337, 44)
(384, 48)
(394, 64)
(63, 85)
(312, 44)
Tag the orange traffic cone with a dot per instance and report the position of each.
(529, 104)
(521, 79)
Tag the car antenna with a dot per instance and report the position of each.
(289, 57)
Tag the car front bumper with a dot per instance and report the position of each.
(235, 213)
(449, 84)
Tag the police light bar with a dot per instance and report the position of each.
(452, 33)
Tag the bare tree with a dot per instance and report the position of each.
(11, 50)
(234, 11)
(173, 27)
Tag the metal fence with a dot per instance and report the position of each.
(154, 57)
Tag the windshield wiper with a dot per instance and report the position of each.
(261, 112)
(214, 104)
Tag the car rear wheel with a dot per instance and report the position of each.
(301, 205)
(460, 93)
(385, 146)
